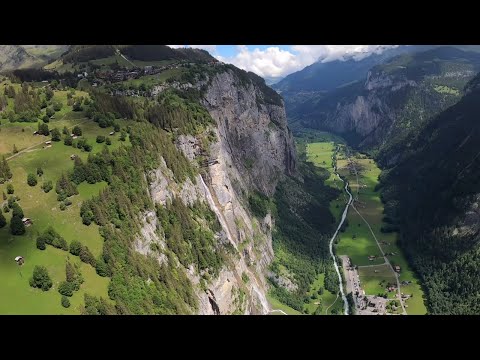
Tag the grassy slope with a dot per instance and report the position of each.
(326, 299)
(43, 209)
(278, 305)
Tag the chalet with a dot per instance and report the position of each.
(19, 260)
(396, 268)
(48, 143)
(74, 137)
(112, 133)
(35, 133)
(27, 221)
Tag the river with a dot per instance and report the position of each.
(344, 216)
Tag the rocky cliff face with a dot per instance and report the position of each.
(255, 136)
(252, 151)
(14, 57)
(396, 97)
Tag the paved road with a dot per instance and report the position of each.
(344, 216)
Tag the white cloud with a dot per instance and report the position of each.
(271, 62)
(275, 62)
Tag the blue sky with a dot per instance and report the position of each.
(276, 61)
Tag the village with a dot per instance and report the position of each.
(112, 76)
(365, 304)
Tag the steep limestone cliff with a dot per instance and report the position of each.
(253, 149)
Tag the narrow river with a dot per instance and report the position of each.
(344, 216)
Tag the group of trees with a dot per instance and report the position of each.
(42, 129)
(65, 187)
(17, 227)
(95, 170)
(192, 243)
(40, 278)
(53, 238)
(82, 251)
(171, 111)
(74, 280)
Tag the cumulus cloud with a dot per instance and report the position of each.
(271, 62)
(276, 62)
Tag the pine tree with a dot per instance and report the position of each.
(69, 272)
(16, 226)
(32, 179)
(75, 247)
(17, 210)
(15, 150)
(65, 302)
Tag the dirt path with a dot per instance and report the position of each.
(280, 311)
(326, 310)
(33, 146)
(25, 150)
(123, 56)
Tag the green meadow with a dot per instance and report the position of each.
(43, 209)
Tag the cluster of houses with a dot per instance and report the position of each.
(124, 74)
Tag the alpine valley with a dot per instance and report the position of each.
(147, 179)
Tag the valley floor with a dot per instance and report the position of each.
(373, 255)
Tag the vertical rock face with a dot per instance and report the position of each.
(253, 150)
(14, 57)
(254, 134)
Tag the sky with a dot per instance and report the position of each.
(276, 61)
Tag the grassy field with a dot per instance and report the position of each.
(374, 283)
(275, 304)
(43, 208)
(326, 299)
(112, 60)
(320, 154)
